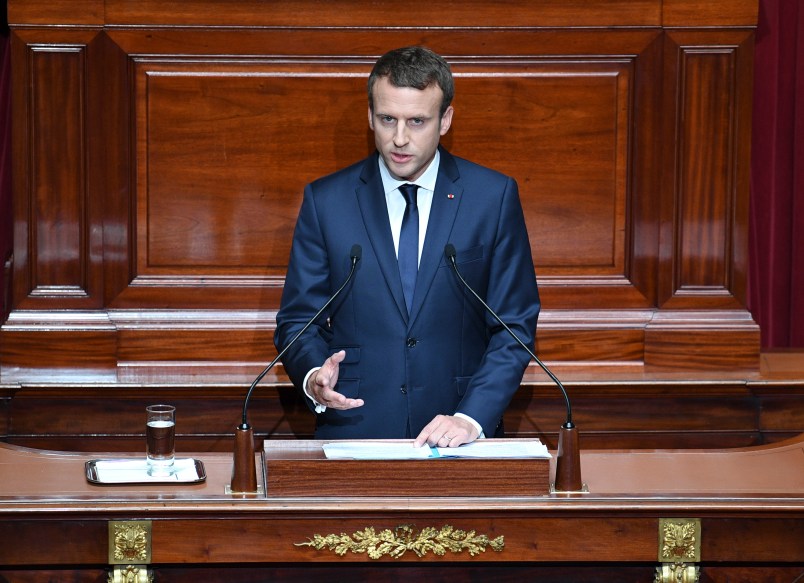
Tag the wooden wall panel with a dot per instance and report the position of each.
(57, 238)
(223, 156)
(204, 169)
(161, 148)
(59, 189)
(709, 188)
(220, 175)
(564, 136)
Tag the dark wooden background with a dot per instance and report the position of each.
(160, 150)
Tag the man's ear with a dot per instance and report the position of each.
(446, 120)
(371, 118)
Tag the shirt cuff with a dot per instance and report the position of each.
(319, 408)
(473, 422)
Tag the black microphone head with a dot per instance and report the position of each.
(449, 251)
(356, 253)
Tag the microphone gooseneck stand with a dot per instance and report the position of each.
(568, 459)
(244, 470)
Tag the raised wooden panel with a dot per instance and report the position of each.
(59, 190)
(709, 189)
(224, 152)
(564, 137)
(220, 180)
(705, 204)
(54, 250)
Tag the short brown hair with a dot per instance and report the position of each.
(416, 67)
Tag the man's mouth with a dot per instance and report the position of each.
(400, 158)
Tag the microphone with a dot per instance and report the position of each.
(568, 462)
(244, 471)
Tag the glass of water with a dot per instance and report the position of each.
(160, 433)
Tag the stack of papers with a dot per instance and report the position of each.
(481, 448)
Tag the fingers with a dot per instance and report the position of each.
(336, 400)
(321, 385)
(336, 358)
(446, 431)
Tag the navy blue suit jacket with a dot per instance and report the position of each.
(449, 355)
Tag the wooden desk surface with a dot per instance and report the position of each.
(749, 504)
(766, 477)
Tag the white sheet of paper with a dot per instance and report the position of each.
(484, 448)
(481, 448)
(376, 450)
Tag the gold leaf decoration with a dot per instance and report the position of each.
(130, 542)
(679, 540)
(395, 543)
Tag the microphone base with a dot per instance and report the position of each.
(568, 462)
(244, 470)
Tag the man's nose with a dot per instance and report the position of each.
(401, 135)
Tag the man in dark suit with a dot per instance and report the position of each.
(408, 352)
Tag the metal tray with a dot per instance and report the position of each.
(191, 471)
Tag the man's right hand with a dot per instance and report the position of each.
(321, 385)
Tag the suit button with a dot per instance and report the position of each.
(411, 342)
(403, 390)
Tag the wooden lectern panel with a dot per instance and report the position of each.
(301, 469)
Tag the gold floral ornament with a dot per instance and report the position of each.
(130, 541)
(679, 541)
(679, 550)
(395, 543)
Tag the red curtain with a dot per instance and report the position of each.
(776, 231)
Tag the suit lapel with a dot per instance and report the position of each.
(446, 200)
(371, 198)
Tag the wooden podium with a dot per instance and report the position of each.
(733, 514)
(300, 469)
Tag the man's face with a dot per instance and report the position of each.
(407, 127)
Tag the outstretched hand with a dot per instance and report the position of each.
(321, 385)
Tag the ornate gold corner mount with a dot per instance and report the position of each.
(131, 574)
(679, 546)
(395, 543)
(129, 542)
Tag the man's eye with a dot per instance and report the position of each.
(386, 119)
(416, 121)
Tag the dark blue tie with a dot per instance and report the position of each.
(408, 254)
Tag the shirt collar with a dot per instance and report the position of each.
(426, 181)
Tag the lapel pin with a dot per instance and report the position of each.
(450, 196)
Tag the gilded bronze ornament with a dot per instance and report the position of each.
(395, 543)
(679, 545)
(129, 541)
(131, 574)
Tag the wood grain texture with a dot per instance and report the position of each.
(161, 148)
(751, 521)
(191, 146)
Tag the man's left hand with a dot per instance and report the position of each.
(446, 431)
